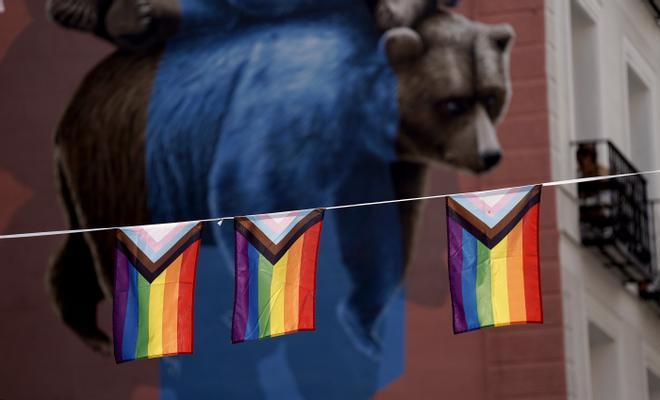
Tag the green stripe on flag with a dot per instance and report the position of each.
(142, 346)
(265, 279)
(484, 293)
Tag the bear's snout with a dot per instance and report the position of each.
(491, 159)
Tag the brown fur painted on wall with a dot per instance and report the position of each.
(454, 87)
(98, 141)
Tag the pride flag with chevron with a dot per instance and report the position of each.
(276, 257)
(154, 290)
(494, 258)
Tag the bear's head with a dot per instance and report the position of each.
(454, 86)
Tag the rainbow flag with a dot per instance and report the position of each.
(494, 258)
(154, 290)
(276, 258)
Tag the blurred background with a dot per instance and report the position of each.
(586, 83)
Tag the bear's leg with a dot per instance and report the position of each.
(372, 253)
(376, 244)
(73, 283)
(134, 24)
(409, 182)
(142, 23)
(74, 14)
(100, 153)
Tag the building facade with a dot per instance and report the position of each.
(603, 74)
(586, 73)
(583, 72)
(520, 362)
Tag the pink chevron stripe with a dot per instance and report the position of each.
(504, 201)
(477, 202)
(278, 226)
(480, 204)
(156, 245)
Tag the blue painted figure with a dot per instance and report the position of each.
(270, 105)
(295, 115)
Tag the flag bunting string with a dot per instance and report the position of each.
(339, 207)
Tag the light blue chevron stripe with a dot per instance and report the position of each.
(155, 254)
(277, 236)
(492, 219)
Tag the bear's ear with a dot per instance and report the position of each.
(402, 45)
(502, 36)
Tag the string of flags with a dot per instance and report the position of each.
(493, 263)
(219, 220)
(493, 272)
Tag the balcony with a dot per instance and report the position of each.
(616, 217)
(654, 7)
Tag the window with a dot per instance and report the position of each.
(640, 121)
(603, 362)
(639, 79)
(586, 90)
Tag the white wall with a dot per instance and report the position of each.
(612, 339)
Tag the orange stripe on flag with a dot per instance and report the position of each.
(186, 300)
(292, 286)
(515, 275)
(171, 306)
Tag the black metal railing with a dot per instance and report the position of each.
(615, 214)
(655, 9)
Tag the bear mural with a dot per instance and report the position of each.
(263, 106)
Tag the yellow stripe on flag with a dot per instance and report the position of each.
(500, 294)
(277, 296)
(156, 294)
(515, 274)
(292, 291)
(171, 307)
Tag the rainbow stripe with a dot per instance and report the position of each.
(494, 258)
(276, 257)
(153, 297)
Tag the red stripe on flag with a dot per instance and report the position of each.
(531, 265)
(186, 299)
(307, 294)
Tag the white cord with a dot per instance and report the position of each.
(355, 205)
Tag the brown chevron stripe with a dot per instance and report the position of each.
(269, 249)
(492, 242)
(489, 232)
(148, 268)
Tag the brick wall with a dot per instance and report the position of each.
(519, 362)
(522, 362)
(40, 67)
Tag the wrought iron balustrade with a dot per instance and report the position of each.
(615, 215)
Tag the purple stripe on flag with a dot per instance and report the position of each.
(455, 260)
(241, 291)
(119, 302)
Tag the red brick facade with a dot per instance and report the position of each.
(522, 362)
(519, 363)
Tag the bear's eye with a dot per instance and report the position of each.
(492, 104)
(491, 101)
(453, 107)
